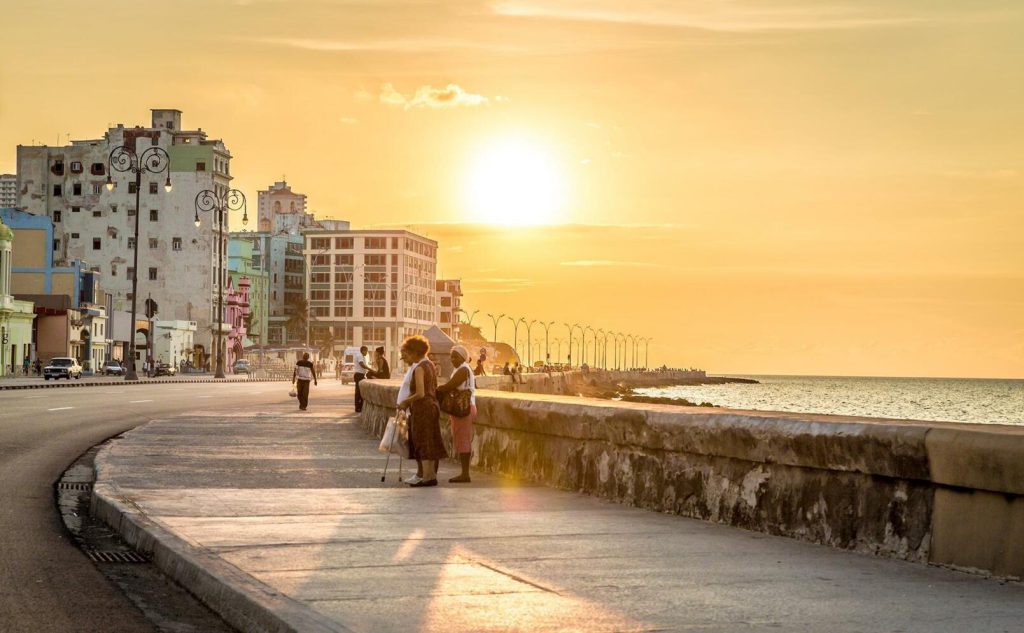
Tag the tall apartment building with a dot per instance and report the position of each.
(177, 260)
(279, 256)
(8, 191)
(370, 287)
(449, 303)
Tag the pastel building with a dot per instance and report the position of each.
(16, 316)
(241, 265)
(235, 319)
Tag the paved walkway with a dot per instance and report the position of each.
(287, 508)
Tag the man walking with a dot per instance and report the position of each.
(302, 376)
(360, 373)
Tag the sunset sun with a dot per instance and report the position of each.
(514, 182)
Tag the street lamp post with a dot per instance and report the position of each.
(559, 342)
(628, 337)
(515, 335)
(618, 358)
(153, 160)
(584, 358)
(208, 201)
(469, 315)
(529, 330)
(495, 320)
(596, 347)
(547, 346)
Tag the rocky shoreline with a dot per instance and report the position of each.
(624, 393)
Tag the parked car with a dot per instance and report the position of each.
(164, 369)
(62, 367)
(241, 366)
(348, 373)
(113, 368)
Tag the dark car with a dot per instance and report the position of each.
(163, 369)
(113, 368)
(241, 366)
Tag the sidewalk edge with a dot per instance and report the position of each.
(243, 602)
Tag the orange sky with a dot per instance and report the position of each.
(820, 187)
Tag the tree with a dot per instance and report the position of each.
(326, 343)
(298, 319)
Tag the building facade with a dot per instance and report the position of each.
(8, 191)
(279, 257)
(369, 288)
(449, 305)
(241, 265)
(178, 263)
(16, 316)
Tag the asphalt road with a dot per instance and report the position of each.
(46, 582)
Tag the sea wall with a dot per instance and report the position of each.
(947, 494)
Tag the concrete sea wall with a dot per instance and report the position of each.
(941, 493)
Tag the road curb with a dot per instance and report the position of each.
(243, 602)
(66, 385)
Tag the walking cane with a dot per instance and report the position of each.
(388, 461)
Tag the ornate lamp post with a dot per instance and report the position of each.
(153, 160)
(207, 200)
(547, 347)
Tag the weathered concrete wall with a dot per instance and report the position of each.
(926, 492)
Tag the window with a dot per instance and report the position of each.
(342, 311)
(320, 278)
(76, 189)
(176, 243)
(131, 276)
(56, 215)
(74, 236)
(113, 208)
(153, 242)
(154, 215)
(56, 245)
(152, 188)
(343, 294)
(97, 188)
(319, 295)
(56, 190)
(76, 167)
(131, 211)
(97, 244)
(320, 260)
(96, 213)
(132, 188)
(320, 243)
(375, 260)
(113, 270)
(343, 260)
(131, 243)
(58, 168)
(98, 169)
(375, 243)
(321, 311)
(152, 274)
(373, 311)
(200, 166)
(131, 295)
(394, 260)
(343, 243)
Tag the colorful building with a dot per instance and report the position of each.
(15, 316)
(236, 315)
(240, 265)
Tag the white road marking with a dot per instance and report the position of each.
(60, 409)
(138, 401)
(33, 397)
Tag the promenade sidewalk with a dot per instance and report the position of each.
(278, 517)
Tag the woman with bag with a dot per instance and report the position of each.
(425, 443)
(454, 396)
(302, 375)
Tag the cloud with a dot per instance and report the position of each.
(700, 14)
(588, 263)
(450, 96)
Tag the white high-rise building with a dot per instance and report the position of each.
(449, 306)
(177, 263)
(8, 191)
(370, 287)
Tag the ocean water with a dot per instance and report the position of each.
(934, 399)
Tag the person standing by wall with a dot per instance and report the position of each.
(462, 428)
(302, 375)
(382, 369)
(361, 368)
(425, 443)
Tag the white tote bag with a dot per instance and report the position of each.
(396, 436)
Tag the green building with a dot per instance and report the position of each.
(15, 316)
(240, 265)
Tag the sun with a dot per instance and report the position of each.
(514, 182)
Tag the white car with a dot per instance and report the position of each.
(62, 367)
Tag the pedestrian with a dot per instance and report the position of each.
(39, 367)
(507, 371)
(24, 365)
(382, 369)
(360, 372)
(479, 370)
(462, 428)
(425, 443)
(301, 376)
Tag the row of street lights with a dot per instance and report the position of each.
(627, 356)
(156, 160)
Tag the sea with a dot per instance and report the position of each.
(978, 401)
